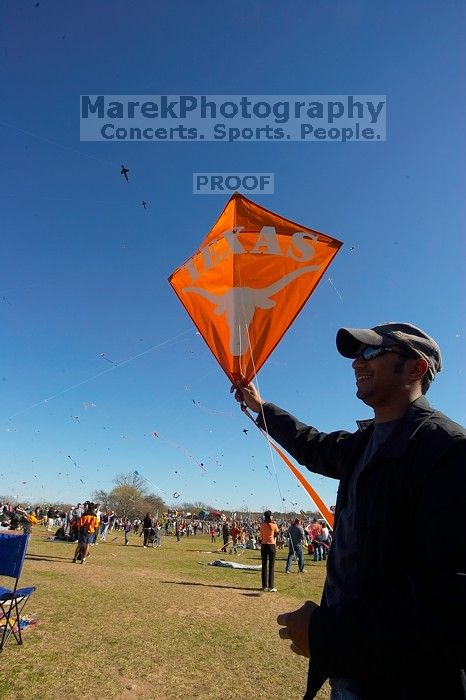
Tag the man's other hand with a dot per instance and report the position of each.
(295, 627)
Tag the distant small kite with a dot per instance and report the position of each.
(176, 494)
(144, 204)
(104, 357)
(124, 171)
(245, 431)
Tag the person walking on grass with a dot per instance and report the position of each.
(156, 529)
(146, 528)
(268, 533)
(325, 541)
(296, 538)
(391, 622)
(225, 536)
(104, 525)
(127, 529)
(87, 527)
(234, 534)
(316, 538)
(98, 514)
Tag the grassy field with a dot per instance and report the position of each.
(155, 624)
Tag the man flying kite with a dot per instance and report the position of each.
(391, 593)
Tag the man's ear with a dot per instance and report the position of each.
(418, 369)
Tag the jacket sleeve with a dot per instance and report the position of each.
(323, 453)
(418, 624)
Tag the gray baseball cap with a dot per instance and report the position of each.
(415, 340)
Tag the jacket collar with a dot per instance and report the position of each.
(416, 415)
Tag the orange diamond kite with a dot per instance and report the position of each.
(248, 280)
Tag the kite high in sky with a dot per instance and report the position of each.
(248, 280)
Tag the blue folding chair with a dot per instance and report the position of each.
(12, 601)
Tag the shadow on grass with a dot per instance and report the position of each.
(212, 585)
(51, 557)
(256, 594)
(130, 544)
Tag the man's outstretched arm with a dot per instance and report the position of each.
(323, 453)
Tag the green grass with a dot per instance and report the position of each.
(155, 624)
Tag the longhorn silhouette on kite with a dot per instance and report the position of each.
(240, 304)
(248, 280)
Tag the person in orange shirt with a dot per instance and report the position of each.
(269, 532)
(315, 530)
(234, 534)
(87, 526)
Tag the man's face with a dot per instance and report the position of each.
(381, 379)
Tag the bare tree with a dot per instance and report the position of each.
(154, 504)
(131, 479)
(102, 497)
(126, 500)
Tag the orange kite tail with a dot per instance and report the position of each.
(325, 511)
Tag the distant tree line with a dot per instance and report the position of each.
(131, 498)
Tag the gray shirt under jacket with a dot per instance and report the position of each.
(341, 585)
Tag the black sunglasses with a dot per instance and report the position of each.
(370, 352)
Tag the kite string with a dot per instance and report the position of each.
(262, 412)
(54, 143)
(240, 335)
(70, 149)
(99, 374)
(312, 493)
(151, 483)
(282, 501)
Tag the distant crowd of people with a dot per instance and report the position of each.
(86, 524)
(235, 535)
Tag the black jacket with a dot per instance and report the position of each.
(406, 636)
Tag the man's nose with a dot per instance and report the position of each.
(358, 362)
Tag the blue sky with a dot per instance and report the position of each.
(84, 268)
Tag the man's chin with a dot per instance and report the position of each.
(364, 397)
